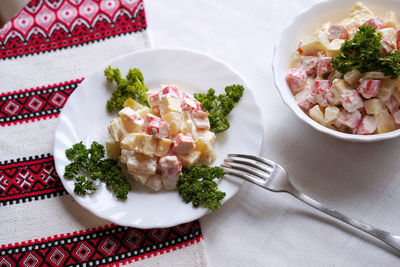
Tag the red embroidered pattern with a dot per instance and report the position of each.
(54, 24)
(36, 103)
(28, 179)
(107, 245)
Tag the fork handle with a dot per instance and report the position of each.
(391, 239)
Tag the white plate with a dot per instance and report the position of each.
(84, 118)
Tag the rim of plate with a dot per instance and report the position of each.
(284, 90)
(169, 49)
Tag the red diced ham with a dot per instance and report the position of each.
(351, 101)
(387, 46)
(299, 49)
(350, 119)
(375, 22)
(324, 66)
(154, 100)
(306, 98)
(171, 91)
(155, 126)
(183, 143)
(369, 88)
(322, 86)
(398, 39)
(367, 125)
(337, 31)
(296, 79)
(190, 104)
(322, 100)
(392, 104)
(170, 166)
(309, 64)
(200, 119)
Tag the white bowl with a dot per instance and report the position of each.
(303, 26)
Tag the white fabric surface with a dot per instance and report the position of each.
(260, 228)
(34, 220)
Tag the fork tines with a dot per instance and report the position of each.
(253, 169)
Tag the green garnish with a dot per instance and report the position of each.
(220, 106)
(133, 87)
(197, 185)
(363, 53)
(88, 165)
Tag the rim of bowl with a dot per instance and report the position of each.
(295, 108)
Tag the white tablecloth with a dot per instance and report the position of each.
(260, 228)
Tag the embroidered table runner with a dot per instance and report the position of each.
(46, 51)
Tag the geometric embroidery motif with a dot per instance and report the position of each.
(28, 179)
(45, 25)
(37, 103)
(111, 245)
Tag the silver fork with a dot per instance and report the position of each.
(272, 176)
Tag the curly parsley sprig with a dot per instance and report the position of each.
(219, 106)
(197, 185)
(133, 87)
(88, 165)
(363, 53)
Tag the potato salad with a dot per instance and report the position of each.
(153, 143)
(345, 76)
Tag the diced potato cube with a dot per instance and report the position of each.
(145, 111)
(390, 20)
(352, 77)
(316, 114)
(170, 182)
(142, 164)
(189, 127)
(125, 155)
(317, 42)
(132, 104)
(385, 122)
(131, 119)
(388, 33)
(396, 93)
(334, 47)
(205, 145)
(175, 121)
(325, 27)
(374, 75)
(295, 61)
(374, 106)
(117, 129)
(341, 86)
(170, 104)
(396, 117)
(113, 149)
(386, 89)
(140, 142)
(141, 178)
(155, 182)
(360, 9)
(190, 159)
(163, 146)
(331, 113)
